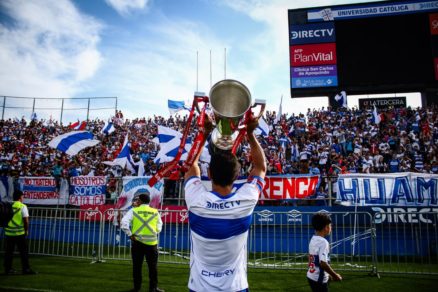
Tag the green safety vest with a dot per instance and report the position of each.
(16, 224)
(144, 224)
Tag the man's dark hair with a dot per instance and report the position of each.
(224, 168)
(320, 221)
(17, 195)
(144, 198)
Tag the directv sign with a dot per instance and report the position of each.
(312, 33)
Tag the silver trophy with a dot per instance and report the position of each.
(230, 101)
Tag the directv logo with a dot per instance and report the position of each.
(314, 33)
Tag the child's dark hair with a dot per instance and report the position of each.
(320, 221)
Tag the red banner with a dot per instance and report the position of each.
(93, 212)
(174, 214)
(284, 188)
(433, 23)
(318, 54)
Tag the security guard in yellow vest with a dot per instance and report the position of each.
(15, 234)
(142, 224)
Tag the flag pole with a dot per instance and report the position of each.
(197, 68)
(210, 69)
(225, 63)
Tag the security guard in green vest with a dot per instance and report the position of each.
(142, 224)
(15, 234)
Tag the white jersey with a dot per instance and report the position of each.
(219, 232)
(318, 251)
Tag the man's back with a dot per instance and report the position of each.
(219, 220)
(219, 231)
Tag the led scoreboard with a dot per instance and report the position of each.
(378, 47)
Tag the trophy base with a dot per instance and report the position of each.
(223, 142)
(213, 148)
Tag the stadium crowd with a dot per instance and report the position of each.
(323, 141)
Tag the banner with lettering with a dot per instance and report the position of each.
(132, 184)
(43, 191)
(94, 213)
(378, 9)
(174, 214)
(87, 190)
(398, 189)
(282, 187)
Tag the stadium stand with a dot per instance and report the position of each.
(321, 141)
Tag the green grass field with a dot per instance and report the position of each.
(68, 274)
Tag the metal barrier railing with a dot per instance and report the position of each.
(64, 232)
(386, 242)
(173, 239)
(407, 242)
(280, 240)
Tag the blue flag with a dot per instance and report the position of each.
(176, 106)
(73, 142)
(108, 128)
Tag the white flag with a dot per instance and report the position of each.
(376, 116)
(280, 112)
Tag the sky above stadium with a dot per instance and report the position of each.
(146, 51)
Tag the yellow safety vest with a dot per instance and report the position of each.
(144, 224)
(16, 224)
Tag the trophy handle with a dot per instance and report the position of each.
(262, 104)
(199, 98)
(242, 132)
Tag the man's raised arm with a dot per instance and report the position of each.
(194, 169)
(257, 154)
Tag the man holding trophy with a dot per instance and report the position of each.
(220, 218)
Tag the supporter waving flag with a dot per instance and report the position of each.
(280, 112)
(376, 116)
(74, 125)
(108, 128)
(176, 106)
(73, 142)
(124, 157)
(33, 116)
(80, 126)
(341, 98)
(140, 167)
(169, 141)
(262, 128)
